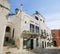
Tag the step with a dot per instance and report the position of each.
(7, 49)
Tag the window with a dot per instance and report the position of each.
(36, 18)
(31, 28)
(7, 29)
(53, 34)
(24, 43)
(37, 29)
(25, 22)
(6, 39)
(40, 19)
(13, 33)
(37, 42)
(34, 28)
(41, 32)
(45, 32)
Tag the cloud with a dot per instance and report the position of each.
(53, 17)
(53, 21)
(54, 24)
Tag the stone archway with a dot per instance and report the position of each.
(55, 44)
(7, 38)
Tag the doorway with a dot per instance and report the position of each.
(42, 44)
(31, 43)
(7, 38)
(37, 42)
(55, 43)
(45, 44)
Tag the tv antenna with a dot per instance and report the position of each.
(21, 5)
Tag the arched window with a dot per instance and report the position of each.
(7, 29)
(36, 18)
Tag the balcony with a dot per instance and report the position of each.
(29, 34)
(43, 36)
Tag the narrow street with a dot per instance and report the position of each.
(46, 51)
(34, 51)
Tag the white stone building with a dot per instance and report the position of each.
(45, 32)
(21, 30)
(28, 31)
(4, 10)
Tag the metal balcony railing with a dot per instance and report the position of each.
(28, 33)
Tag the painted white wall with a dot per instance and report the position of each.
(34, 43)
(3, 22)
(5, 3)
(18, 23)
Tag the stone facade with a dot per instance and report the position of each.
(22, 30)
(4, 6)
(22, 22)
(56, 37)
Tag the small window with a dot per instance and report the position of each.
(7, 29)
(13, 33)
(36, 18)
(24, 43)
(41, 32)
(37, 42)
(25, 22)
(40, 19)
(47, 34)
(37, 29)
(45, 31)
(31, 28)
(53, 34)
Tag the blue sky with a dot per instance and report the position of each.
(50, 9)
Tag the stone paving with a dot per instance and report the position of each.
(46, 51)
(20, 52)
(7, 50)
(36, 51)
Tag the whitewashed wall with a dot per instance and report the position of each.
(18, 23)
(3, 21)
